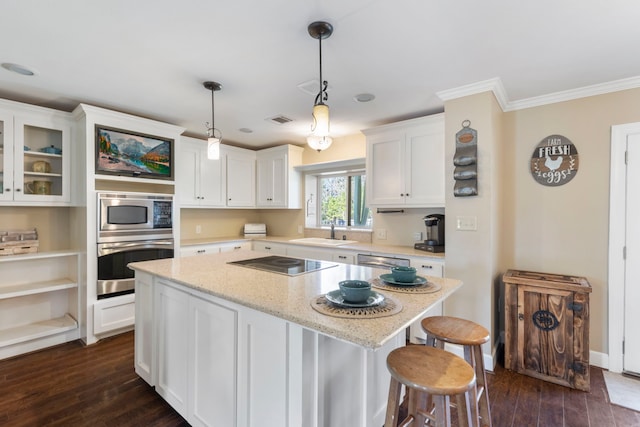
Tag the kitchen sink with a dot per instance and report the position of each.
(322, 241)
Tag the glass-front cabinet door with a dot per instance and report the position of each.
(6, 156)
(41, 159)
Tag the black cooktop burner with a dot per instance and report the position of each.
(284, 265)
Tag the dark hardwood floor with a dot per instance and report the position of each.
(72, 385)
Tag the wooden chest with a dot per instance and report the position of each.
(547, 327)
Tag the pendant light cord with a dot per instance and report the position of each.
(322, 94)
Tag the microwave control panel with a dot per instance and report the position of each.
(162, 213)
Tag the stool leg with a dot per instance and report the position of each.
(481, 378)
(393, 403)
(442, 411)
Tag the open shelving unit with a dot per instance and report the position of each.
(39, 301)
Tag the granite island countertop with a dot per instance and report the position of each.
(289, 297)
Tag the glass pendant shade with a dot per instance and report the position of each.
(319, 139)
(213, 148)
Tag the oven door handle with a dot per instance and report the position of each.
(112, 248)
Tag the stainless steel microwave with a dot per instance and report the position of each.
(134, 216)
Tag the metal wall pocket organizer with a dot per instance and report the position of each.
(465, 161)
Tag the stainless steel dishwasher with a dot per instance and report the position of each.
(378, 261)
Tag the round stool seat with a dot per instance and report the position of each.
(455, 330)
(431, 377)
(431, 370)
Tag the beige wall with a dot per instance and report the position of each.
(565, 229)
(53, 224)
(348, 147)
(471, 256)
(530, 226)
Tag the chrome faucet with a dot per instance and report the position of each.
(333, 229)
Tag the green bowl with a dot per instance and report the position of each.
(355, 291)
(403, 274)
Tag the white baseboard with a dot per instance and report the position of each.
(601, 360)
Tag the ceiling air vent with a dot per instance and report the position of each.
(279, 119)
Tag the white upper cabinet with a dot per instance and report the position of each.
(204, 183)
(405, 163)
(35, 157)
(278, 184)
(200, 182)
(241, 177)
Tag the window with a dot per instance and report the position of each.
(342, 199)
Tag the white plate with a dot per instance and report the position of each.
(335, 298)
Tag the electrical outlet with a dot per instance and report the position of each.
(381, 233)
(417, 236)
(300, 229)
(198, 229)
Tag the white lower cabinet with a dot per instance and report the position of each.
(272, 248)
(172, 322)
(212, 384)
(114, 314)
(214, 248)
(144, 321)
(425, 267)
(234, 246)
(215, 363)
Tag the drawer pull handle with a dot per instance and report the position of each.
(427, 266)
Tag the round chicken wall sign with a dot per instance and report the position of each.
(554, 161)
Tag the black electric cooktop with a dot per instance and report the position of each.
(284, 265)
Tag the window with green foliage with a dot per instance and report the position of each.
(342, 200)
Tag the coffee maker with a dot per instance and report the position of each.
(435, 234)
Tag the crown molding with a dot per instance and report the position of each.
(495, 85)
(571, 94)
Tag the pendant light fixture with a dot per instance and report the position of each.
(320, 138)
(213, 141)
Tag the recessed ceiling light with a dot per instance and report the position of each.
(364, 97)
(17, 68)
(245, 130)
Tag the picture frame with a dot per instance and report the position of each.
(126, 153)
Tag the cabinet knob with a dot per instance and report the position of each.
(401, 195)
(407, 194)
(7, 189)
(229, 198)
(18, 190)
(520, 316)
(268, 248)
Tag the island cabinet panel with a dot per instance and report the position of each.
(351, 383)
(212, 363)
(172, 319)
(143, 349)
(547, 327)
(269, 376)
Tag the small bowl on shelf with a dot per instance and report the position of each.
(355, 291)
(51, 150)
(403, 274)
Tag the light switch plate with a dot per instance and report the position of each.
(467, 223)
(381, 233)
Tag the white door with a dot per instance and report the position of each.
(631, 361)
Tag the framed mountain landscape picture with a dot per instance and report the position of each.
(124, 153)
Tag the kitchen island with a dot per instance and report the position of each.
(235, 346)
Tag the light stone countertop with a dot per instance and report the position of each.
(289, 297)
(393, 250)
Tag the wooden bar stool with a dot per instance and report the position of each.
(430, 375)
(470, 335)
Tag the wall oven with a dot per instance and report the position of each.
(131, 227)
